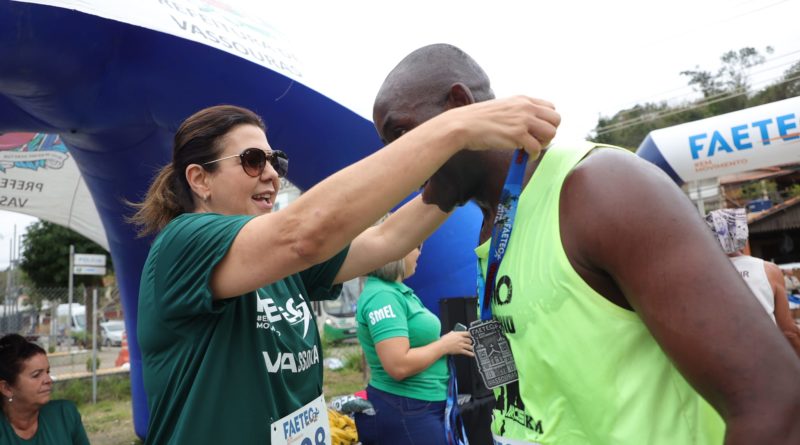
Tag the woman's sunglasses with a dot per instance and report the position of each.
(255, 159)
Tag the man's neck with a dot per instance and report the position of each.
(492, 188)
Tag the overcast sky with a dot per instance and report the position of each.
(590, 58)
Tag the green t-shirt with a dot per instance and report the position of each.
(390, 309)
(223, 371)
(59, 424)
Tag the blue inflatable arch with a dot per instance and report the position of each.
(116, 93)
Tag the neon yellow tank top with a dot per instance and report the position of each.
(589, 371)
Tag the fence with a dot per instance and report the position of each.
(42, 315)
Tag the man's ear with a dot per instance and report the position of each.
(459, 95)
(198, 179)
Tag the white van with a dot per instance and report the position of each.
(78, 322)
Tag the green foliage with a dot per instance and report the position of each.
(354, 361)
(757, 190)
(80, 390)
(731, 76)
(787, 86)
(89, 364)
(724, 91)
(45, 259)
(794, 190)
(327, 345)
(628, 128)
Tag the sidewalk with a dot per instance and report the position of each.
(64, 365)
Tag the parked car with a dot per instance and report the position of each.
(111, 332)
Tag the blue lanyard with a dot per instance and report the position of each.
(501, 232)
(454, 431)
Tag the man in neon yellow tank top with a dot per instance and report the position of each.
(619, 307)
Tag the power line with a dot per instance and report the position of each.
(708, 100)
(685, 87)
(652, 116)
(706, 25)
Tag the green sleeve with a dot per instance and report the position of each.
(318, 279)
(77, 431)
(188, 250)
(386, 315)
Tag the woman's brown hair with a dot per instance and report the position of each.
(197, 141)
(14, 350)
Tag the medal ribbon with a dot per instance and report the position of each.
(501, 232)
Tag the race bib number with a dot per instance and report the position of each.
(493, 354)
(306, 426)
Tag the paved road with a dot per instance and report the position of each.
(62, 364)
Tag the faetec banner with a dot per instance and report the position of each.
(38, 177)
(210, 22)
(757, 137)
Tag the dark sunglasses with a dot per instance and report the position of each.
(255, 159)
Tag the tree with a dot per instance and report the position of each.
(45, 258)
(788, 86)
(725, 91)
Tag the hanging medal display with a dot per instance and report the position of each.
(492, 351)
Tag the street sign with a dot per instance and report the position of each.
(89, 270)
(89, 259)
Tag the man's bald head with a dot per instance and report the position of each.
(426, 83)
(429, 72)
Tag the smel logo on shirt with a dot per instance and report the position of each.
(380, 314)
(293, 312)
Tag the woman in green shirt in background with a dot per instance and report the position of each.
(29, 416)
(407, 359)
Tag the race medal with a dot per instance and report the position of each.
(305, 426)
(493, 354)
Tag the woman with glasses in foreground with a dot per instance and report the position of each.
(230, 348)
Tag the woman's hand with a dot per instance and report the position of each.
(457, 343)
(514, 122)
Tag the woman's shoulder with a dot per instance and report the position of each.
(376, 286)
(198, 229)
(379, 292)
(197, 221)
(59, 407)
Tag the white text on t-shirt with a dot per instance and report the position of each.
(379, 314)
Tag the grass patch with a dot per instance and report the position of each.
(349, 378)
(110, 420)
(342, 382)
(354, 361)
(117, 387)
(105, 415)
(109, 423)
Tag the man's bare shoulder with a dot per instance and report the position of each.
(619, 184)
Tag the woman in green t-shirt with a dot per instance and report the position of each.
(29, 416)
(407, 359)
(230, 351)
